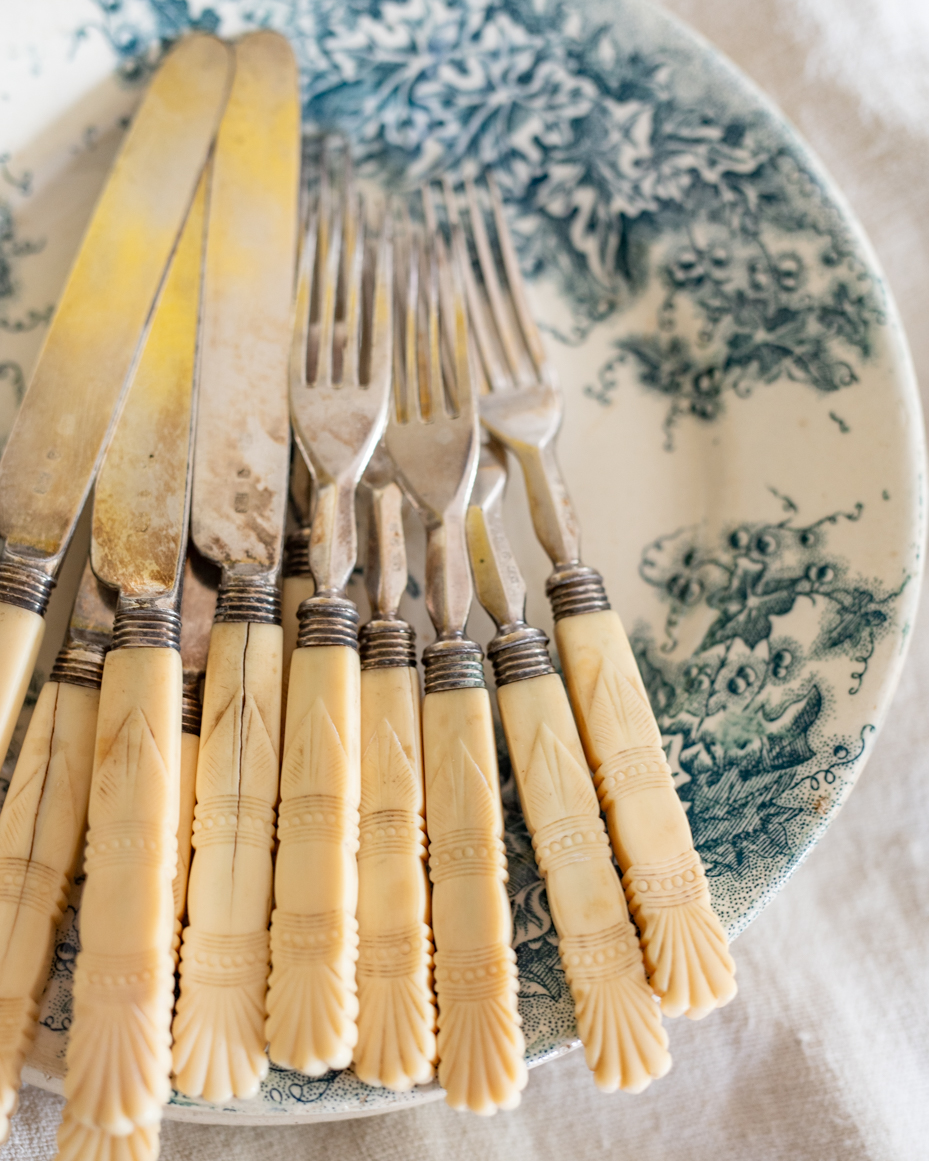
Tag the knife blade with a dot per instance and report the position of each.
(42, 825)
(237, 520)
(68, 413)
(119, 1058)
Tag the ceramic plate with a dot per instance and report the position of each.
(742, 434)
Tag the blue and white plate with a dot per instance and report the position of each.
(742, 432)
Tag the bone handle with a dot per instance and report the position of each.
(219, 1038)
(312, 1002)
(41, 827)
(21, 633)
(294, 591)
(617, 1020)
(480, 1043)
(119, 1056)
(685, 948)
(396, 1010)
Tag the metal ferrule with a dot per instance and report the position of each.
(297, 553)
(387, 644)
(453, 663)
(25, 586)
(79, 663)
(191, 706)
(327, 619)
(248, 600)
(574, 589)
(519, 652)
(142, 627)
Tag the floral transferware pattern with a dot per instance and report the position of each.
(699, 261)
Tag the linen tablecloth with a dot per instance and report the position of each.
(825, 1052)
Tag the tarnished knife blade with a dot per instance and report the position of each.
(241, 463)
(86, 361)
(140, 506)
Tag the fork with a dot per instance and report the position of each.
(684, 945)
(433, 438)
(338, 414)
(617, 1020)
(396, 1009)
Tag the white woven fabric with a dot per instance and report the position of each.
(825, 1053)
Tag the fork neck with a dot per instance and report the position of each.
(333, 545)
(449, 589)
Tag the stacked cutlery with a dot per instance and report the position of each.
(189, 339)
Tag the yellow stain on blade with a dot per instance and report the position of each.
(139, 525)
(243, 431)
(83, 367)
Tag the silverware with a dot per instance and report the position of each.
(119, 1056)
(237, 520)
(617, 1020)
(67, 416)
(433, 439)
(42, 826)
(338, 405)
(396, 1008)
(684, 944)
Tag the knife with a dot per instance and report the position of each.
(237, 521)
(67, 415)
(119, 1059)
(42, 825)
(198, 605)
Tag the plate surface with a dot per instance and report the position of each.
(742, 432)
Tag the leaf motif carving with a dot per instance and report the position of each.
(459, 796)
(238, 756)
(388, 780)
(316, 761)
(618, 716)
(131, 781)
(555, 784)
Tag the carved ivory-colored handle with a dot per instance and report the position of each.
(312, 1002)
(396, 1010)
(41, 828)
(617, 1019)
(685, 947)
(219, 1037)
(480, 1043)
(21, 633)
(119, 1055)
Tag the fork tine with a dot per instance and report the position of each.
(381, 325)
(501, 311)
(354, 232)
(514, 278)
(406, 286)
(329, 248)
(302, 296)
(483, 334)
(434, 247)
(457, 311)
